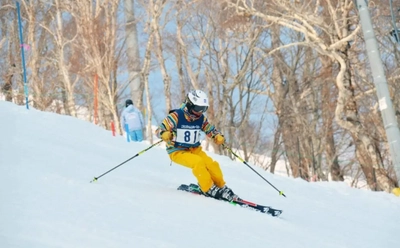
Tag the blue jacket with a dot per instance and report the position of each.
(133, 118)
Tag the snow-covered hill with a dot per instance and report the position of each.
(46, 199)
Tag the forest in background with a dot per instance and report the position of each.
(302, 62)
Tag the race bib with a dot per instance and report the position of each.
(187, 136)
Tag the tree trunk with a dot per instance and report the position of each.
(62, 66)
(134, 67)
(156, 13)
(7, 88)
(367, 152)
(275, 149)
(327, 109)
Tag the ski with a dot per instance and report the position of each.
(194, 188)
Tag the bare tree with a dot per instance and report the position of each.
(61, 43)
(97, 26)
(339, 30)
(10, 59)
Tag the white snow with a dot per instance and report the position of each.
(46, 199)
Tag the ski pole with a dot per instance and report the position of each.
(148, 148)
(234, 154)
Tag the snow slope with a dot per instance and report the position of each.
(46, 199)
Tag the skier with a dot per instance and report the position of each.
(132, 121)
(181, 132)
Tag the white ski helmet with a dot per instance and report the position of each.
(197, 101)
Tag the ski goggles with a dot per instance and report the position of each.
(199, 108)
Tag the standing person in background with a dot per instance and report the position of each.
(132, 121)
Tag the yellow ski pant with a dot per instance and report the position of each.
(204, 168)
